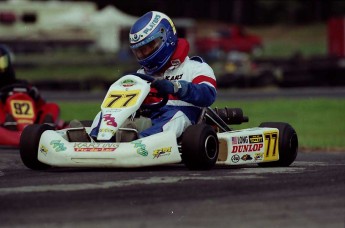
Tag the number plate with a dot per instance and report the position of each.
(22, 109)
(121, 99)
(271, 146)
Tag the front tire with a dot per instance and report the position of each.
(29, 143)
(288, 144)
(200, 147)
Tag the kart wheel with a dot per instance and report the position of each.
(199, 147)
(29, 142)
(288, 144)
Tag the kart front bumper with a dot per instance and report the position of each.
(154, 150)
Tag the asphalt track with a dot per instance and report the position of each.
(310, 193)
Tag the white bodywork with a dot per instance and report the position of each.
(254, 145)
(55, 150)
(123, 98)
(248, 146)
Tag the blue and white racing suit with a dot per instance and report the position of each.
(198, 89)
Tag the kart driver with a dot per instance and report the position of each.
(190, 82)
(47, 112)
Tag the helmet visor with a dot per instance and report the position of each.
(146, 50)
(3, 63)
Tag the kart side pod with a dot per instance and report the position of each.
(272, 144)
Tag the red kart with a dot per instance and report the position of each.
(21, 105)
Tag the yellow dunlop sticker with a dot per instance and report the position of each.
(22, 109)
(121, 99)
(271, 152)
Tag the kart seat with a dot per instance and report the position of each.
(130, 130)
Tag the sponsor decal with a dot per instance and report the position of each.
(247, 148)
(246, 157)
(259, 156)
(127, 83)
(141, 148)
(239, 140)
(110, 120)
(152, 25)
(161, 152)
(25, 121)
(175, 62)
(107, 130)
(58, 145)
(95, 147)
(256, 139)
(135, 38)
(43, 150)
(242, 139)
(174, 78)
(235, 158)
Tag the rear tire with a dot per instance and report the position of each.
(29, 143)
(200, 147)
(288, 144)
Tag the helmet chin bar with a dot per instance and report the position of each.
(157, 60)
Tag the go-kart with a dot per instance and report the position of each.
(203, 145)
(19, 108)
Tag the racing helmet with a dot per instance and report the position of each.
(5, 59)
(153, 40)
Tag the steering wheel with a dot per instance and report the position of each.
(161, 103)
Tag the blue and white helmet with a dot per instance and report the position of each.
(153, 40)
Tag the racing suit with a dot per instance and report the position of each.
(197, 88)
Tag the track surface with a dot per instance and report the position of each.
(310, 193)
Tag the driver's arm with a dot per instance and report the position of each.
(201, 94)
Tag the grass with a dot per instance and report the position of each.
(318, 122)
(82, 111)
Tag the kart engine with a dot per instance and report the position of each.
(231, 115)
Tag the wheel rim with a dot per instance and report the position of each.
(211, 147)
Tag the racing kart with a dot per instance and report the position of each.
(203, 145)
(19, 108)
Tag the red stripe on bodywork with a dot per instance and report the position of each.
(203, 78)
